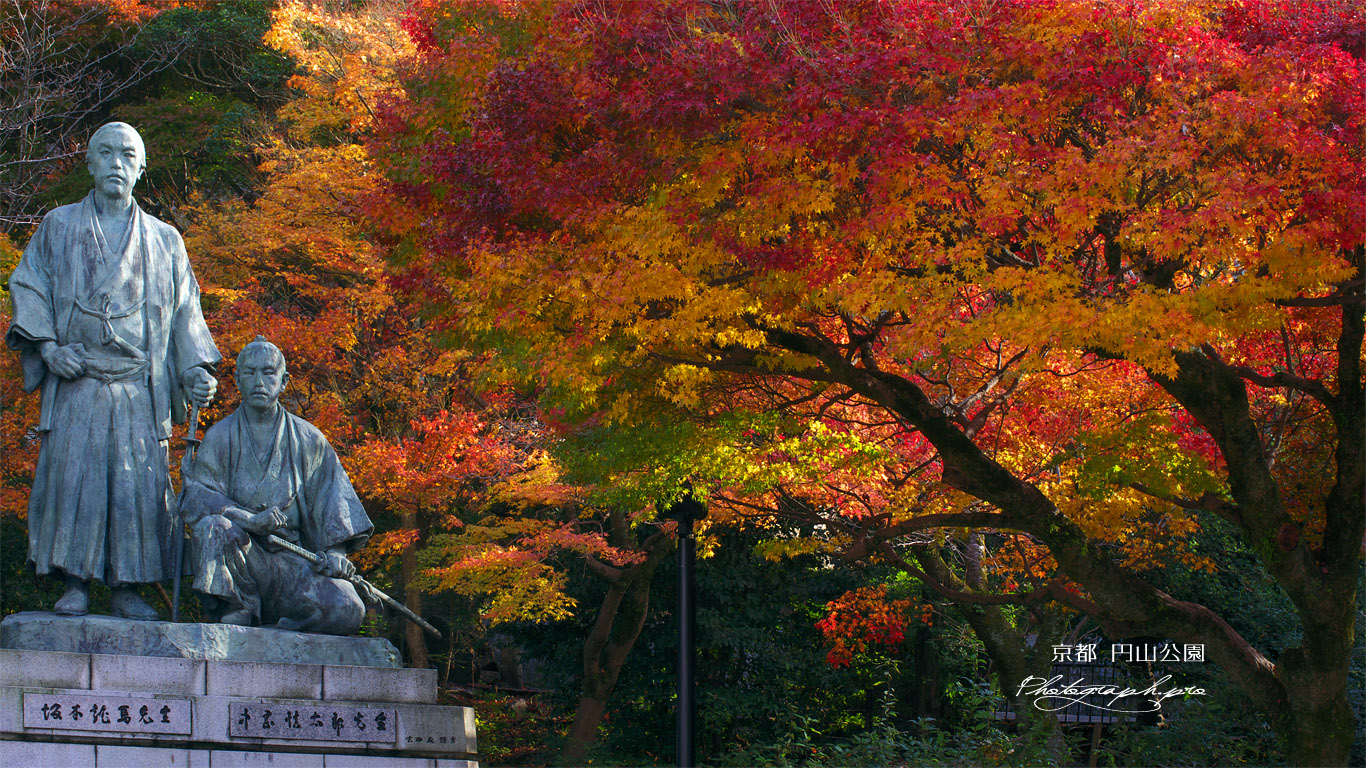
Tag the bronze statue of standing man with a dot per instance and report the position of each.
(107, 322)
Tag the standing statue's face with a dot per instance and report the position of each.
(261, 377)
(115, 162)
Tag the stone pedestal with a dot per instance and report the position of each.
(216, 704)
(42, 631)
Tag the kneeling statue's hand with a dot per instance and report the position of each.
(337, 565)
(265, 522)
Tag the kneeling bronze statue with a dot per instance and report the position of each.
(266, 488)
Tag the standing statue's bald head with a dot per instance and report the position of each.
(108, 130)
(116, 159)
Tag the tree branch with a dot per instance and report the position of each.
(1311, 387)
(945, 520)
(1346, 294)
(1208, 502)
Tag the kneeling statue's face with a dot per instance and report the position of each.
(261, 377)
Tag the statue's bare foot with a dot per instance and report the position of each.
(75, 601)
(128, 604)
(241, 617)
(305, 624)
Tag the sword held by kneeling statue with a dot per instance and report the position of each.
(286, 562)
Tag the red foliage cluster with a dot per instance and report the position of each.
(1264, 23)
(864, 618)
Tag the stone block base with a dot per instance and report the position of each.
(93, 709)
(49, 755)
(43, 631)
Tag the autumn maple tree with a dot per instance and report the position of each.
(297, 264)
(865, 618)
(466, 498)
(1053, 282)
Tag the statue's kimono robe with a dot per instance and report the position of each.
(298, 472)
(100, 506)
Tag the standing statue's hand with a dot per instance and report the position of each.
(63, 361)
(200, 385)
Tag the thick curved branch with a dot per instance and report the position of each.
(654, 546)
(1346, 295)
(1311, 387)
(958, 593)
(1128, 601)
(945, 520)
(1208, 502)
(1216, 396)
(610, 574)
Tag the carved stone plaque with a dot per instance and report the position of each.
(323, 721)
(117, 714)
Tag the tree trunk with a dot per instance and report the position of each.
(618, 626)
(1317, 725)
(1304, 693)
(584, 731)
(602, 662)
(415, 641)
(1006, 646)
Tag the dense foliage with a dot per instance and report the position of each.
(1073, 275)
(979, 326)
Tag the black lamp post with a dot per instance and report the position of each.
(686, 510)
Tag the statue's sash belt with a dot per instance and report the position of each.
(107, 314)
(110, 370)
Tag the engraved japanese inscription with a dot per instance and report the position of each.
(118, 714)
(323, 722)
